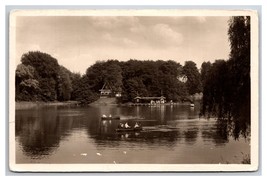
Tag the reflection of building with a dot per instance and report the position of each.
(152, 100)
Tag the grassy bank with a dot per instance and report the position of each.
(29, 105)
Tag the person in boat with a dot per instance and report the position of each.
(137, 125)
(127, 126)
(121, 125)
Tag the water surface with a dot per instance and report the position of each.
(171, 134)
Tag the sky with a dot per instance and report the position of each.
(77, 42)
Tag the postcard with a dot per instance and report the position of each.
(133, 90)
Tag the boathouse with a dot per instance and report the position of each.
(151, 100)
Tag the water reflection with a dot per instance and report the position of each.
(217, 133)
(38, 134)
(191, 135)
(43, 132)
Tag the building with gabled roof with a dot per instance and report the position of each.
(107, 91)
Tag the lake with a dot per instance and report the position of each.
(172, 134)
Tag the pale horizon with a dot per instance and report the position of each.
(78, 42)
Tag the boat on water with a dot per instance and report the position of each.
(129, 129)
(126, 128)
(110, 118)
(192, 105)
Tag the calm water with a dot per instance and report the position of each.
(171, 134)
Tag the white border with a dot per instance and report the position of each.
(138, 167)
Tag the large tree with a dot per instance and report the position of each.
(192, 75)
(27, 87)
(172, 88)
(105, 72)
(64, 86)
(239, 64)
(216, 90)
(227, 86)
(82, 91)
(46, 72)
(204, 72)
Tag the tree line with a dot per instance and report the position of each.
(39, 77)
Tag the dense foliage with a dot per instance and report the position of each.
(226, 84)
(152, 78)
(40, 77)
(136, 78)
(192, 74)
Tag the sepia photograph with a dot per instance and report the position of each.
(133, 90)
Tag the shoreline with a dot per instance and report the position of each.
(157, 104)
(27, 105)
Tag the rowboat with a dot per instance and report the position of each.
(110, 118)
(129, 129)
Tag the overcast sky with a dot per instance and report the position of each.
(78, 42)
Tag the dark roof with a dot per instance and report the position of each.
(105, 87)
(105, 90)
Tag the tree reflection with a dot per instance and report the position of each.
(39, 133)
(191, 135)
(218, 133)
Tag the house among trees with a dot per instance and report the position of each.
(151, 100)
(107, 91)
